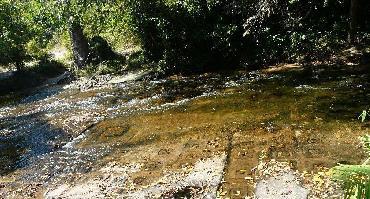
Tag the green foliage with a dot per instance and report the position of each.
(51, 16)
(136, 60)
(189, 34)
(14, 34)
(186, 35)
(355, 179)
(48, 67)
(363, 115)
(211, 33)
(46, 24)
(297, 30)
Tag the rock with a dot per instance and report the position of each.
(101, 81)
(64, 78)
(163, 152)
(281, 186)
(128, 77)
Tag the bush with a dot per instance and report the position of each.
(100, 51)
(188, 35)
(14, 35)
(208, 34)
(136, 60)
(298, 30)
(31, 76)
(47, 67)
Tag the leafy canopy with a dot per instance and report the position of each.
(13, 35)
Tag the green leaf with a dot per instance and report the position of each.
(363, 115)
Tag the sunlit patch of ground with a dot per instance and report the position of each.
(283, 67)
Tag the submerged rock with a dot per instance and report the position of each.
(201, 181)
(171, 126)
(285, 185)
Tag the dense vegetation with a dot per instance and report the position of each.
(14, 35)
(230, 33)
(179, 35)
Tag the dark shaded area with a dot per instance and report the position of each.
(100, 51)
(10, 153)
(33, 143)
(347, 94)
(186, 192)
(80, 45)
(28, 78)
(29, 137)
(102, 59)
(206, 36)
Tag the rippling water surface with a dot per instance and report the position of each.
(66, 133)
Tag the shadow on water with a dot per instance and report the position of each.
(175, 89)
(292, 116)
(29, 96)
(346, 105)
(41, 94)
(335, 93)
(10, 153)
(26, 137)
(46, 151)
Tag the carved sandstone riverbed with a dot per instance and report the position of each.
(179, 136)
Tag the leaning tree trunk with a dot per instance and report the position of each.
(353, 25)
(80, 46)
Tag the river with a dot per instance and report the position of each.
(137, 136)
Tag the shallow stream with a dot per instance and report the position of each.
(140, 137)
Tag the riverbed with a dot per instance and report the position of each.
(201, 136)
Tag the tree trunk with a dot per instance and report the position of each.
(19, 66)
(80, 46)
(353, 26)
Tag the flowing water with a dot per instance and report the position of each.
(136, 136)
